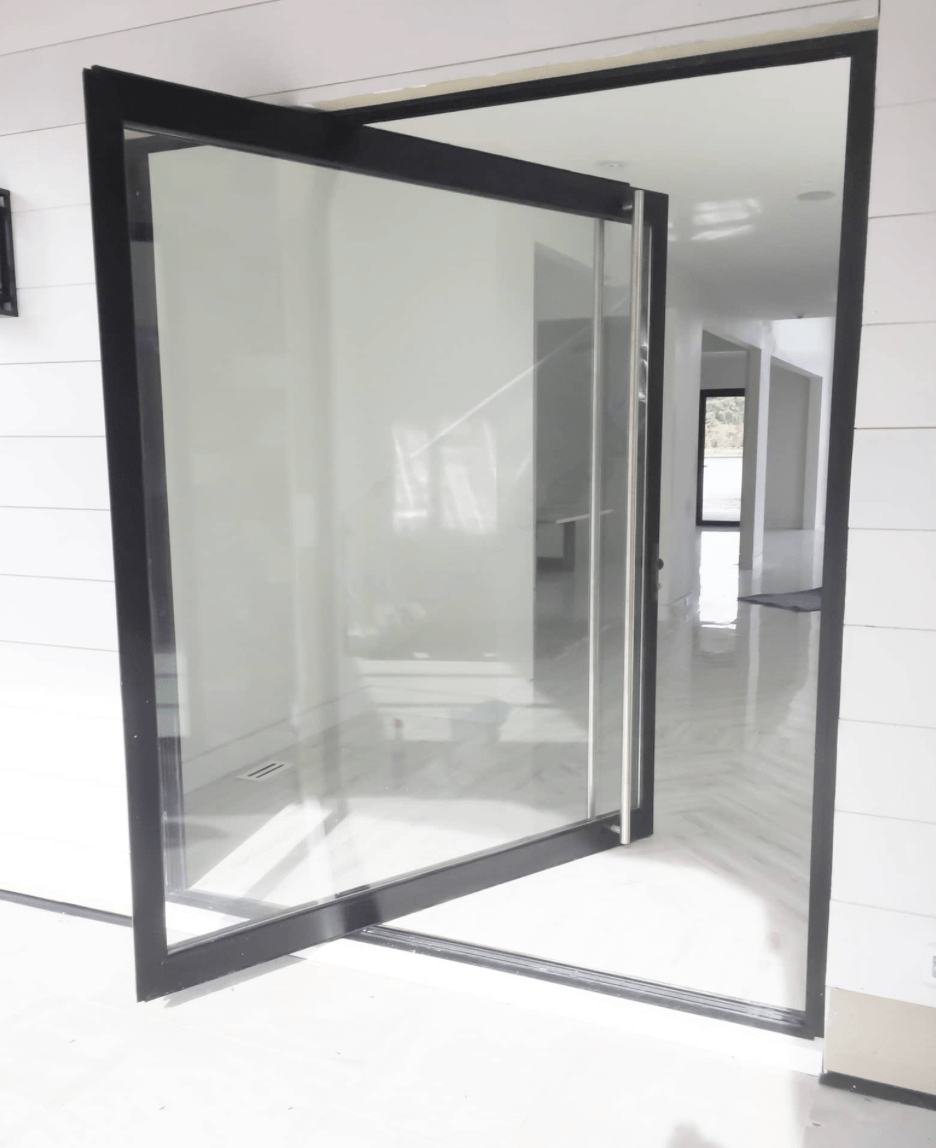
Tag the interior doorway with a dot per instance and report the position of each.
(721, 458)
(728, 903)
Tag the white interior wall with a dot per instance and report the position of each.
(723, 369)
(563, 418)
(787, 442)
(246, 410)
(693, 308)
(350, 465)
(754, 484)
(564, 297)
(62, 790)
(810, 345)
(689, 312)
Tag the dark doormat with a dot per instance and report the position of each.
(802, 601)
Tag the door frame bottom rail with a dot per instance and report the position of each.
(789, 1021)
(792, 1022)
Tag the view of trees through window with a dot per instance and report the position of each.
(724, 425)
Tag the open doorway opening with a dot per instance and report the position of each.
(718, 900)
(721, 433)
(721, 458)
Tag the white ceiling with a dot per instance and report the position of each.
(732, 152)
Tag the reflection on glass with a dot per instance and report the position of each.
(375, 411)
(723, 452)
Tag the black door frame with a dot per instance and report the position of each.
(704, 396)
(861, 49)
(115, 101)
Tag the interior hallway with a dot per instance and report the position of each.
(717, 899)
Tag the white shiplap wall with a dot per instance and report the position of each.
(62, 815)
(884, 878)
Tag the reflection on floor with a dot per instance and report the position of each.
(716, 900)
(721, 487)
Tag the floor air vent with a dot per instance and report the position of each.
(262, 772)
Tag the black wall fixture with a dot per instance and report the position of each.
(7, 270)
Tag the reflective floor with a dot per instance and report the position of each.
(721, 488)
(716, 900)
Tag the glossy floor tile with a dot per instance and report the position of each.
(314, 1051)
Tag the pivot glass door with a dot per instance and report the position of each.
(351, 378)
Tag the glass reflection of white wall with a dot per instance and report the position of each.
(349, 403)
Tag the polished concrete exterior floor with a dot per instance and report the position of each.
(350, 1046)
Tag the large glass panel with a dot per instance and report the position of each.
(373, 459)
(722, 454)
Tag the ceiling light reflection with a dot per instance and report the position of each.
(722, 232)
(725, 211)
